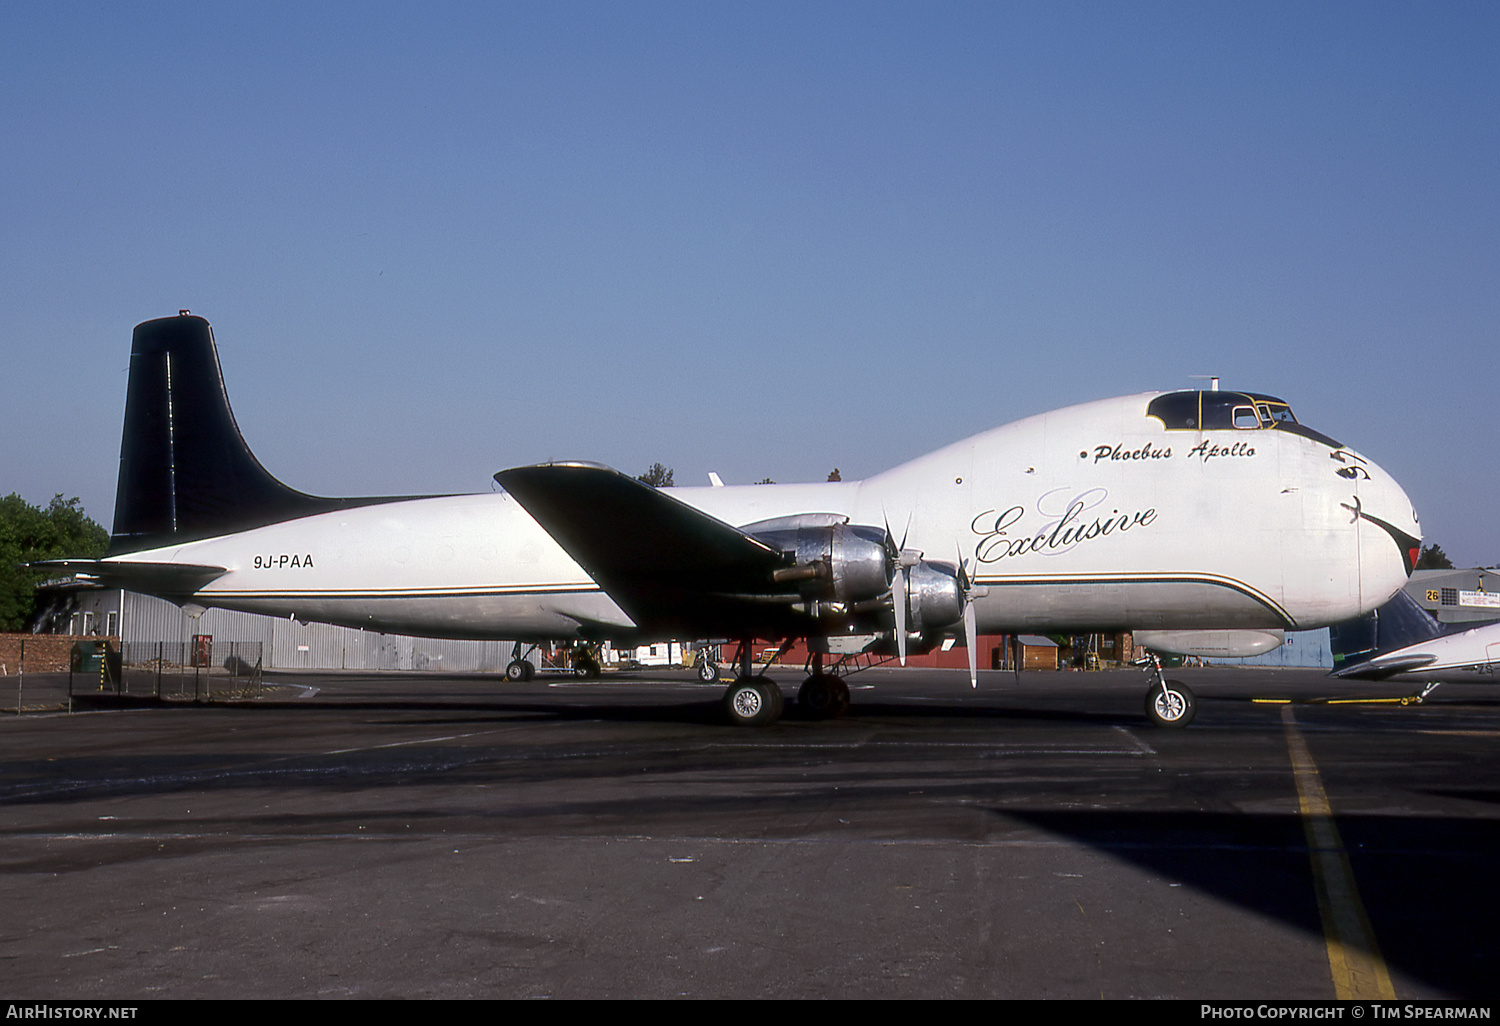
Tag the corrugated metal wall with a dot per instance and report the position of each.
(289, 645)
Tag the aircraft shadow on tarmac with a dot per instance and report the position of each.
(1426, 882)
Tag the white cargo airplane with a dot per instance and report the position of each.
(1400, 642)
(1199, 511)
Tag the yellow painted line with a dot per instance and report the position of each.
(1408, 700)
(1359, 972)
(1462, 733)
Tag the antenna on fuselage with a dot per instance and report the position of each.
(1212, 379)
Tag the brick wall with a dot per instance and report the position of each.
(45, 653)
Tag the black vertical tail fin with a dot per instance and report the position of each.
(1397, 624)
(185, 470)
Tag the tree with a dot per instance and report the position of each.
(658, 476)
(29, 533)
(765, 480)
(1433, 558)
(834, 475)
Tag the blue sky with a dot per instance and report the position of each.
(763, 239)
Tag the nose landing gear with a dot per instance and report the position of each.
(706, 666)
(1169, 703)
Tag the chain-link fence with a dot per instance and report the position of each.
(201, 670)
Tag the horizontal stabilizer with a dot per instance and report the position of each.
(163, 579)
(662, 560)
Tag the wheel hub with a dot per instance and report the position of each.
(747, 702)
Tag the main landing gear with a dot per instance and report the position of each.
(520, 668)
(1169, 703)
(823, 695)
(753, 700)
(582, 659)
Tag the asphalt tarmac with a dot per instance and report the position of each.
(413, 835)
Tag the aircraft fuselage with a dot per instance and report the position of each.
(1093, 517)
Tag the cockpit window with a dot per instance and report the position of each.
(1178, 411)
(1218, 409)
(1272, 414)
(1201, 410)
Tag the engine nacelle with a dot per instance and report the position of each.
(853, 565)
(832, 562)
(934, 597)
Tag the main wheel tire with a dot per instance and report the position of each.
(753, 702)
(586, 667)
(1170, 705)
(517, 670)
(824, 696)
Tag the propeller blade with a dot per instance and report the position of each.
(898, 606)
(893, 550)
(971, 631)
(892, 553)
(971, 638)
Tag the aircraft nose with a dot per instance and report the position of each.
(1390, 538)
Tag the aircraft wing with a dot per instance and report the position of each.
(671, 567)
(165, 579)
(1381, 668)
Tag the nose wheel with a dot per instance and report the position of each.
(706, 668)
(1169, 703)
